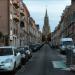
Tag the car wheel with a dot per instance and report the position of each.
(20, 64)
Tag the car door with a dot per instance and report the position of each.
(17, 57)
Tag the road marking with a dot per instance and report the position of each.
(59, 64)
(62, 65)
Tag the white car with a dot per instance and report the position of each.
(66, 43)
(10, 58)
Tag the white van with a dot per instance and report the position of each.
(66, 43)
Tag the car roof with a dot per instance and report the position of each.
(26, 46)
(66, 39)
(7, 47)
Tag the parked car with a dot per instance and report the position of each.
(28, 51)
(24, 56)
(32, 47)
(35, 47)
(10, 58)
(38, 46)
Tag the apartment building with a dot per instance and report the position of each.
(15, 23)
(67, 24)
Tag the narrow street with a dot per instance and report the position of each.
(41, 63)
(37, 37)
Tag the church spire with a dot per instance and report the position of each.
(46, 28)
(46, 14)
(46, 20)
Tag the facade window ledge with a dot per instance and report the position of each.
(16, 4)
(22, 12)
(16, 18)
(10, 1)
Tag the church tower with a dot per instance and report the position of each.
(46, 28)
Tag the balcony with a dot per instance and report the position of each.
(10, 1)
(22, 12)
(16, 4)
(16, 17)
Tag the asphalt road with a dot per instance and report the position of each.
(41, 64)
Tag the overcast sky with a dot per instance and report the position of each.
(37, 9)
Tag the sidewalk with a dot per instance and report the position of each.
(62, 64)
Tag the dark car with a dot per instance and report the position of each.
(28, 51)
(24, 56)
(32, 47)
(35, 47)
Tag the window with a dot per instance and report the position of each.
(6, 51)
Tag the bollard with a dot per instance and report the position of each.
(72, 67)
(73, 57)
(68, 57)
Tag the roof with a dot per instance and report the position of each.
(25, 7)
(66, 39)
(7, 47)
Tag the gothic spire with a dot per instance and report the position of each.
(46, 14)
(46, 28)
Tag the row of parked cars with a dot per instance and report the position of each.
(13, 57)
(36, 47)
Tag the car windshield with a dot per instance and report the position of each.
(21, 50)
(6, 51)
(68, 43)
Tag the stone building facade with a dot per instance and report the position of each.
(67, 24)
(15, 23)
